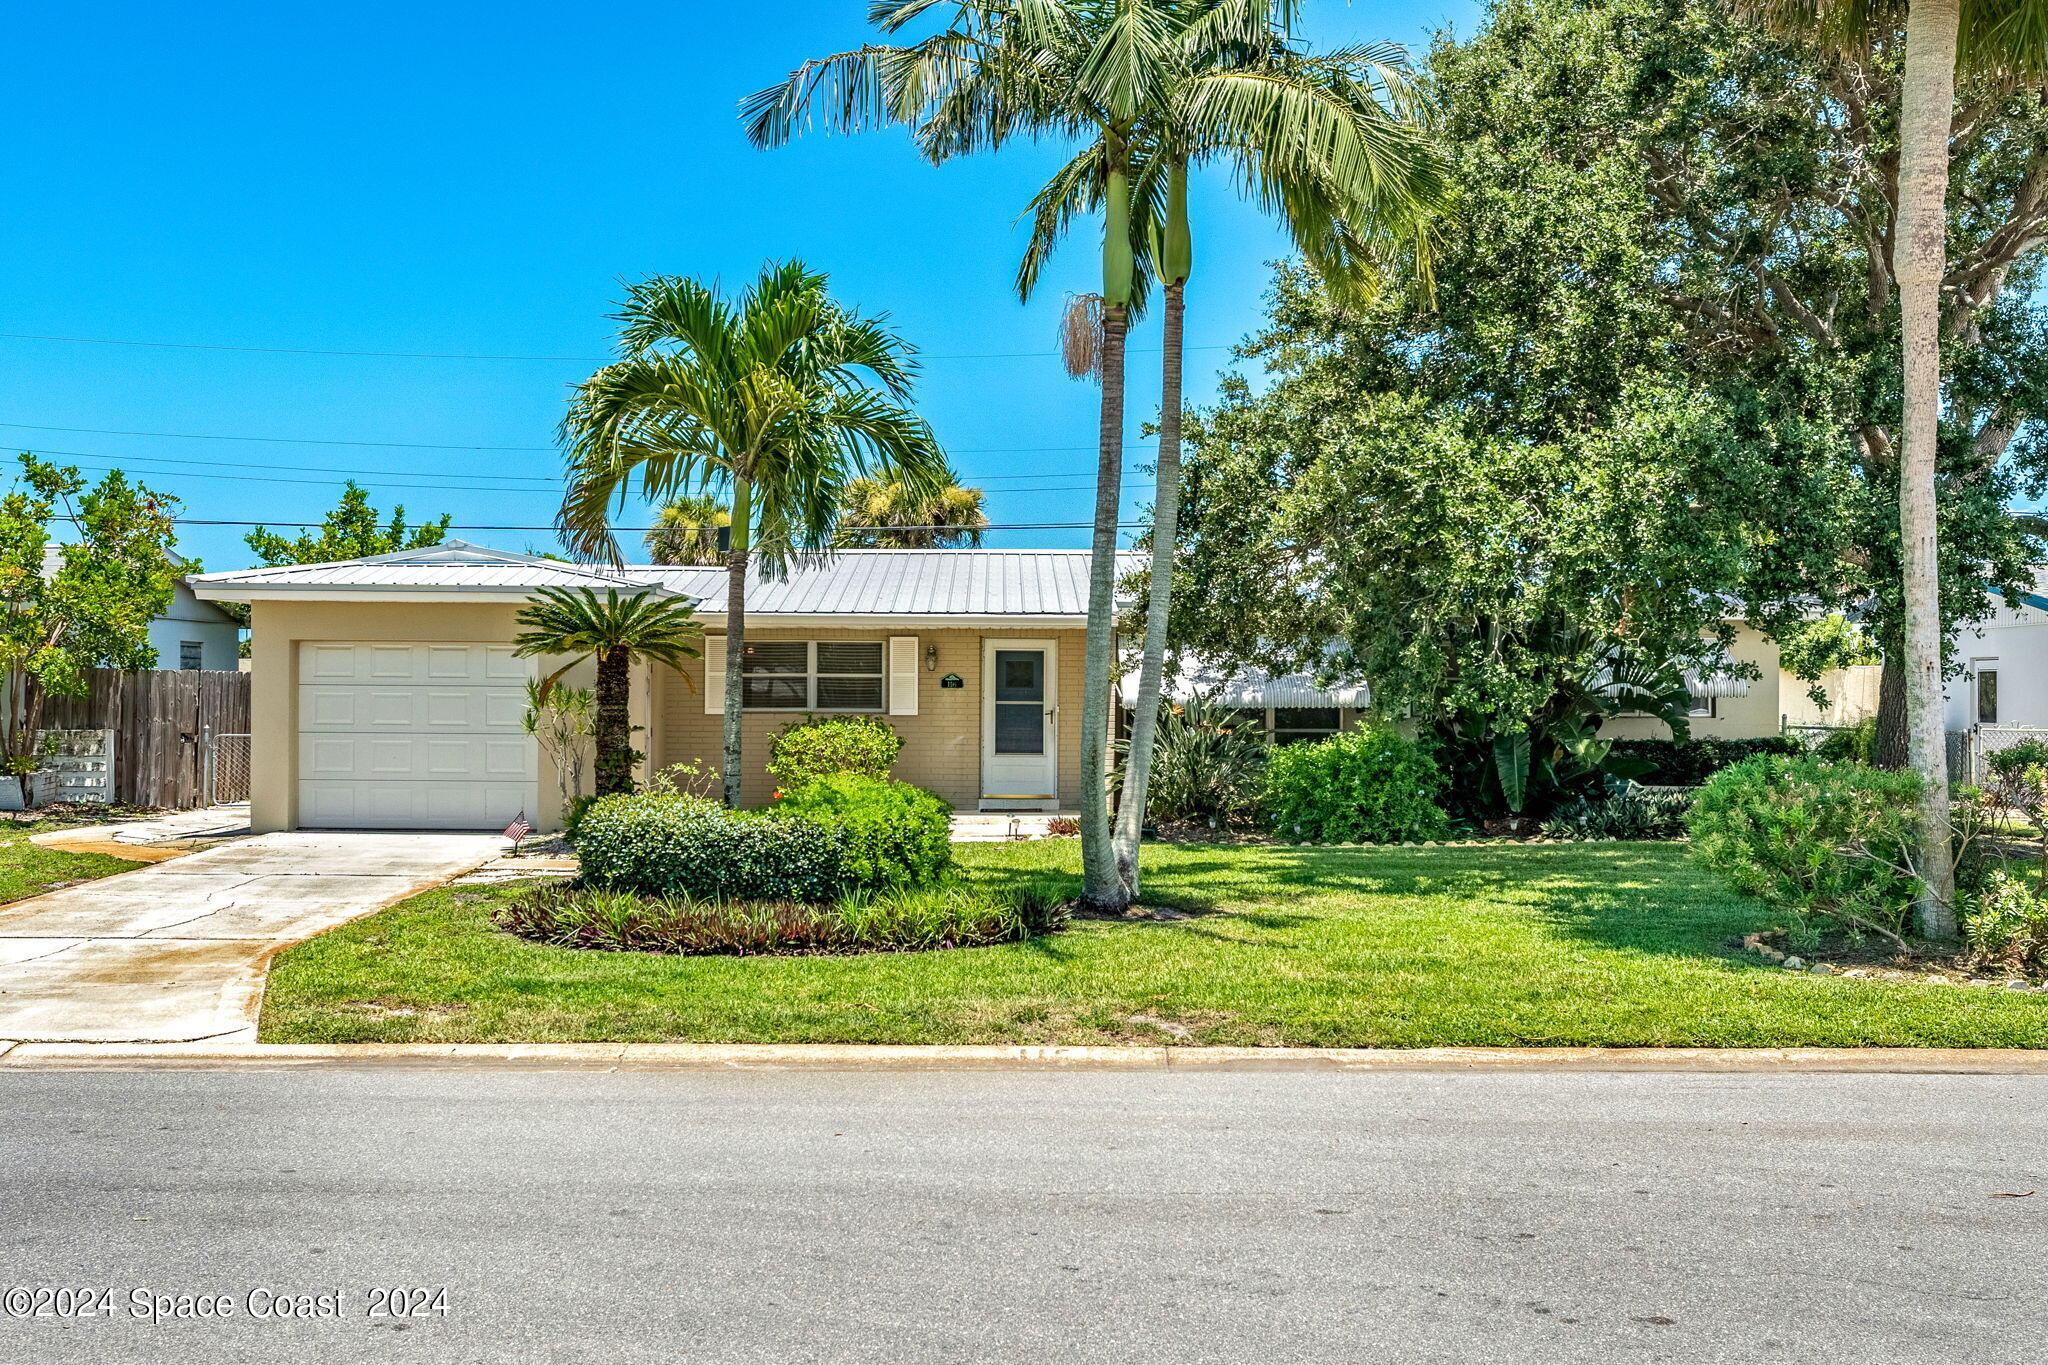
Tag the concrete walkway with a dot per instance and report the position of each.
(176, 952)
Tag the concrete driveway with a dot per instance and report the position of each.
(177, 951)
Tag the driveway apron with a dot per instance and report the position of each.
(176, 952)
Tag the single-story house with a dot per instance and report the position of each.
(385, 692)
(1728, 707)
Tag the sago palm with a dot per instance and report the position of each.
(2001, 40)
(1123, 77)
(693, 529)
(885, 514)
(617, 632)
(773, 401)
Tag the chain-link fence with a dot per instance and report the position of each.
(227, 769)
(1968, 750)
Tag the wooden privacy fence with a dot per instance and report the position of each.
(167, 724)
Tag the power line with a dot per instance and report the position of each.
(641, 530)
(446, 355)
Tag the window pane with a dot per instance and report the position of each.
(1020, 728)
(839, 656)
(1020, 676)
(1322, 718)
(1987, 696)
(777, 656)
(849, 694)
(774, 693)
(1246, 718)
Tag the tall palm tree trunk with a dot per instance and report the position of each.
(1176, 262)
(614, 737)
(732, 775)
(1130, 818)
(1100, 884)
(1920, 259)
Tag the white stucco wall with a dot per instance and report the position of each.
(2014, 640)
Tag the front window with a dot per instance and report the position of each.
(1304, 724)
(813, 675)
(191, 654)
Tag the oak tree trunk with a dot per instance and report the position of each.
(1919, 260)
(1890, 750)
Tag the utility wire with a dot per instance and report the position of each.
(443, 355)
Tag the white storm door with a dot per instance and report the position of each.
(1020, 758)
(414, 736)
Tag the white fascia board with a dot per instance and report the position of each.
(228, 592)
(854, 621)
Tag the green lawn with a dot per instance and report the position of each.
(28, 869)
(1551, 944)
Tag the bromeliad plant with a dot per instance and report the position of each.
(617, 632)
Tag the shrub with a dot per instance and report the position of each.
(825, 746)
(1851, 744)
(1207, 767)
(1689, 762)
(1827, 840)
(1369, 785)
(2006, 923)
(892, 834)
(1627, 815)
(684, 845)
(948, 915)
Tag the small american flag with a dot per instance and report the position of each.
(518, 830)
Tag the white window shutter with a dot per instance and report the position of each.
(903, 675)
(714, 675)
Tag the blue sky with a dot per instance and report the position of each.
(473, 180)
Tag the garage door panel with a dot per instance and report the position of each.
(414, 736)
(440, 758)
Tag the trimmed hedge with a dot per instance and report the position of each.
(893, 834)
(841, 835)
(816, 747)
(1688, 763)
(1370, 785)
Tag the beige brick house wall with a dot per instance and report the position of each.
(942, 742)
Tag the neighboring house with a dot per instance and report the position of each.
(2002, 662)
(385, 693)
(190, 634)
(1751, 708)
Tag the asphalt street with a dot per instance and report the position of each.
(805, 1216)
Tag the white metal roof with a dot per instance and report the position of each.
(896, 584)
(454, 566)
(1200, 678)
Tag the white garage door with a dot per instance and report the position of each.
(413, 737)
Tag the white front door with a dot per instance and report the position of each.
(1020, 756)
(405, 736)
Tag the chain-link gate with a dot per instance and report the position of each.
(1968, 749)
(226, 770)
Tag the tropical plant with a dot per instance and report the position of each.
(892, 834)
(2006, 923)
(1208, 767)
(1152, 87)
(352, 529)
(882, 514)
(2018, 780)
(2004, 41)
(560, 722)
(1628, 814)
(617, 632)
(88, 608)
(693, 529)
(775, 400)
(825, 746)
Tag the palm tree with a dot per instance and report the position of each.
(774, 400)
(695, 529)
(884, 514)
(1147, 84)
(616, 632)
(2001, 40)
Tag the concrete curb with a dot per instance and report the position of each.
(220, 1056)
